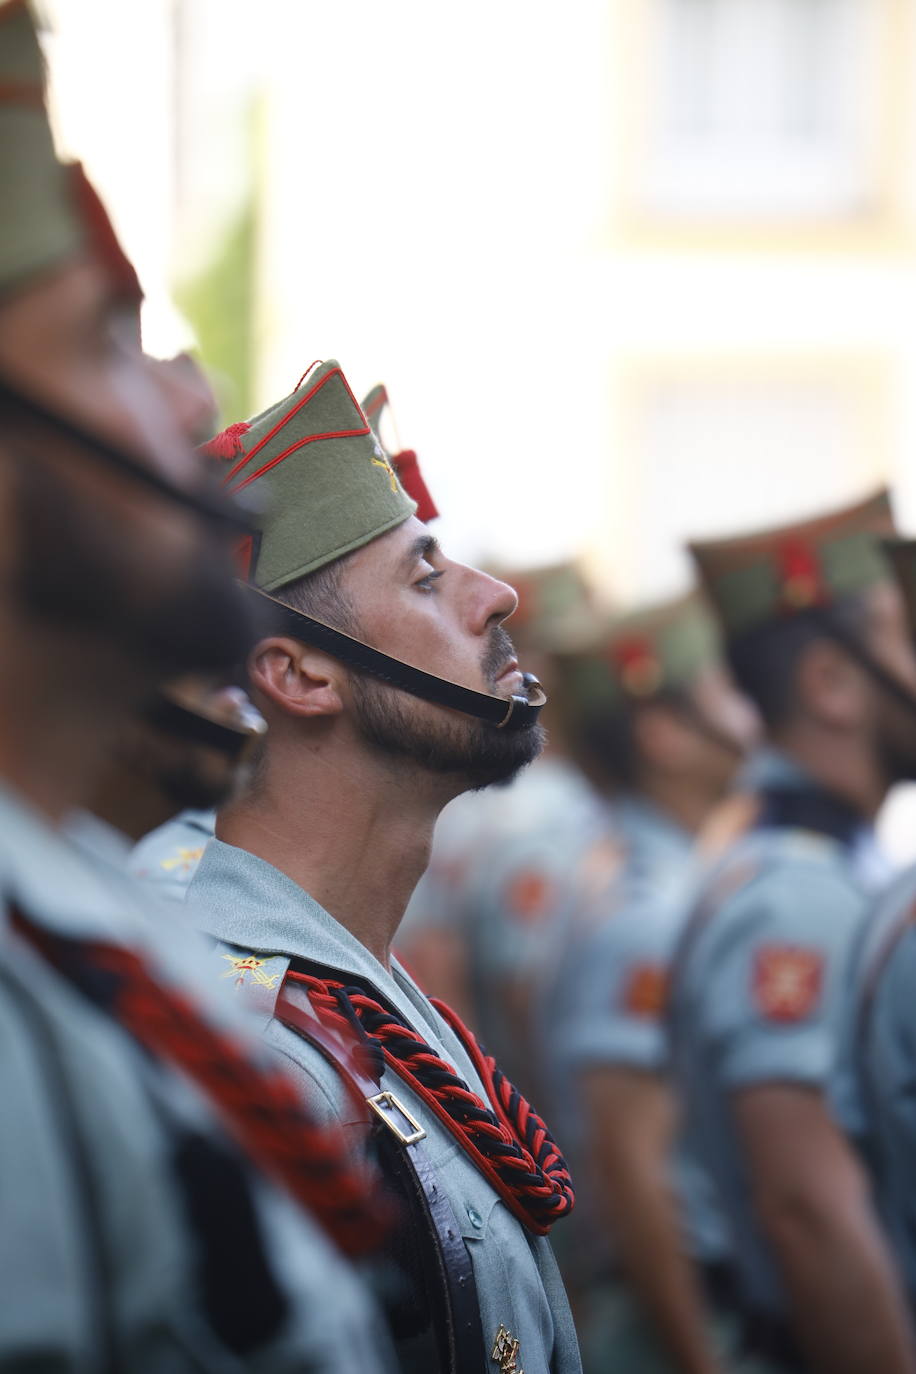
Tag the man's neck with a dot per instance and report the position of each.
(679, 799)
(843, 766)
(356, 839)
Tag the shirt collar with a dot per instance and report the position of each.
(245, 901)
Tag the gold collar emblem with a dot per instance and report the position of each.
(183, 859)
(249, 964)
(505, 1352)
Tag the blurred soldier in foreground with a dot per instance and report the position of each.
(136, 1229)
(484, 926)
(168, 856)
(314, 862)
(661, 732)
(182, 753)
(882, 1042)
(816, 636)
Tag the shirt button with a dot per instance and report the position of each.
(475, 1218)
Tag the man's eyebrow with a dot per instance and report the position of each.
(421, 550)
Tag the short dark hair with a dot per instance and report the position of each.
(320, 595)
(765, 660)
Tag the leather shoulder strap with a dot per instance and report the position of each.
(455, 1307)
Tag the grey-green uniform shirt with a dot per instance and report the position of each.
(607, 1006)
(101, 1224)
(758, 995)
(254, 910)
(878, 1103)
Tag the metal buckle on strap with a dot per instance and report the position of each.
(387, 1108)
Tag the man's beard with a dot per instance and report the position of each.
(76, 573)
(474, 752)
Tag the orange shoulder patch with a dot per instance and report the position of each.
(787, 982)
(645, 991)
(530, 894)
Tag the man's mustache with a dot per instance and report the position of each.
(498, 654)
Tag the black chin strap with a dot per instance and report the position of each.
(211, 505)
(196, 728)
(504, 713)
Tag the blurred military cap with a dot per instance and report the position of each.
(638, 655)
(556, 605)
(779, 572)
(39, 227)
(901, 555)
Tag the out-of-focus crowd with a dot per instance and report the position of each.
(331, 984)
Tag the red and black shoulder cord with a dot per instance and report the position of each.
(257, 1105)
(506, 1139)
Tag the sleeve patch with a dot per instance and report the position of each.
(530, 895)
(787, 982)
(645, 991)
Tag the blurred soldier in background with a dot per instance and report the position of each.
(482, 926)
(314, 862)
(881, 1114)
(136, 1230)
(816, 636)
(660, 731)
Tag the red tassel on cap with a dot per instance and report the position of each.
(801, 576)
(635, 661)
(407, 467)
(227, 444)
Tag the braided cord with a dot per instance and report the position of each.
(258, 1105)
(507, 1140)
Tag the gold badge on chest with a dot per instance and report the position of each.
(505, 1352)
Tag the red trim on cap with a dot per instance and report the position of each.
(305, 374)
(379, 404)
(311, 439)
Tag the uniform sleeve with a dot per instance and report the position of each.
(614, 1003)
(48, 1275)
(775, 977)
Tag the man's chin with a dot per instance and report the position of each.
(471, 753)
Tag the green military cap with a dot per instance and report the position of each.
(633, 657)
(556, 605)
(403, 460)
(783, 571)
(327, 485)
(901, 555)
(40, 226)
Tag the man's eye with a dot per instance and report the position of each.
(426, 583)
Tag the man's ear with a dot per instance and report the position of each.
(830, 686)
(300, 680)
